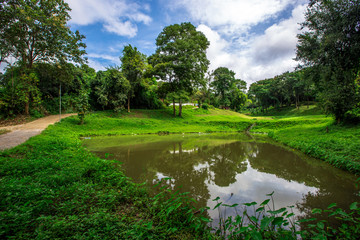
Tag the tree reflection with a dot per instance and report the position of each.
(197, 164)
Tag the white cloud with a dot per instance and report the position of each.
(261, 56)
(229, 16)
(114, 59)
(97, 62)
(117, 16)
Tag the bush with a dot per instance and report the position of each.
(352, 116)
(205, 106)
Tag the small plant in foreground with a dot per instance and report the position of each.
(265, 223)
(268, 223)
(176, 213)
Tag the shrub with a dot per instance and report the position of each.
(205, 106)
(352, 116)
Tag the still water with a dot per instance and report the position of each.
(235, 167)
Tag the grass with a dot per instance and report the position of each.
(52, 187)
(3, 131)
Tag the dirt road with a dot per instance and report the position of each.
(21, 133)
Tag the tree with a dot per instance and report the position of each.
(133, 67)
(331, 46)
(36, 31)
(180, 58)
(112, 89)
(229, 90)
(223, 80)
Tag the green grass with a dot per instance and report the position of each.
(304, 110)
(52, 187)
(317, 136)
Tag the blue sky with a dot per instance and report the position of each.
(254, 38)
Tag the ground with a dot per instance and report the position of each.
(18, 134)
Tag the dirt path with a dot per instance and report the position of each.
(21, 133)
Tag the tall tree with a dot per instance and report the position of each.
(112, 89)
(180, 58)
(331, 45)
(37, 31)
(133, 67)
(222, 83)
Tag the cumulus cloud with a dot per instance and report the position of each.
(117, 16)
(102, 61)
(229, 16)
(261, 56)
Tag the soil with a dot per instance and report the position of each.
(21, 133)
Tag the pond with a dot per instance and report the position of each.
(238, 168)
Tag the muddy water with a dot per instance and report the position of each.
(235, 167)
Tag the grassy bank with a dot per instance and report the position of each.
(51, 187)
(316, 135)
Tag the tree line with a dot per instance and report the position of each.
(328, 52)
(289, 88)
(50, 61)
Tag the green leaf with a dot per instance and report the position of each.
(353, 206)
(217, 198)
(217, 205)
(278, 221)
(250, 204)
(204, 219)
(260, 209)
(320, 225)
(265, 223)
(277, 211)
(316, 210)
(265, 202)
(270, 194)
(256, 236)
(332, 205)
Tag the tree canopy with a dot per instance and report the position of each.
(37, 31)
(331, 46)
(180, 57)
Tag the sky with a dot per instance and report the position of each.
(254, 38)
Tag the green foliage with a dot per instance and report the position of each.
(266, 222)
(37, 31)
(82, 104)
(349, 228)
(180, 58)
(352, 116)
(53, 188)
(228, 90)
(283, 90)
(205, 106)
(111, 89)
(330, 45)
(133, 66)
(316, 136)
(19, 92)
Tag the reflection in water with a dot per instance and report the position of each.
(234, 167)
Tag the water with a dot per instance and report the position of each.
(235, 167)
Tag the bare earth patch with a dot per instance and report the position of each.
(21, 133)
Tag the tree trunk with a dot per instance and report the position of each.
(298, 101)
(180, 108)
(27, 106)
(128, 104)
(174, 107)
(308, 102)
